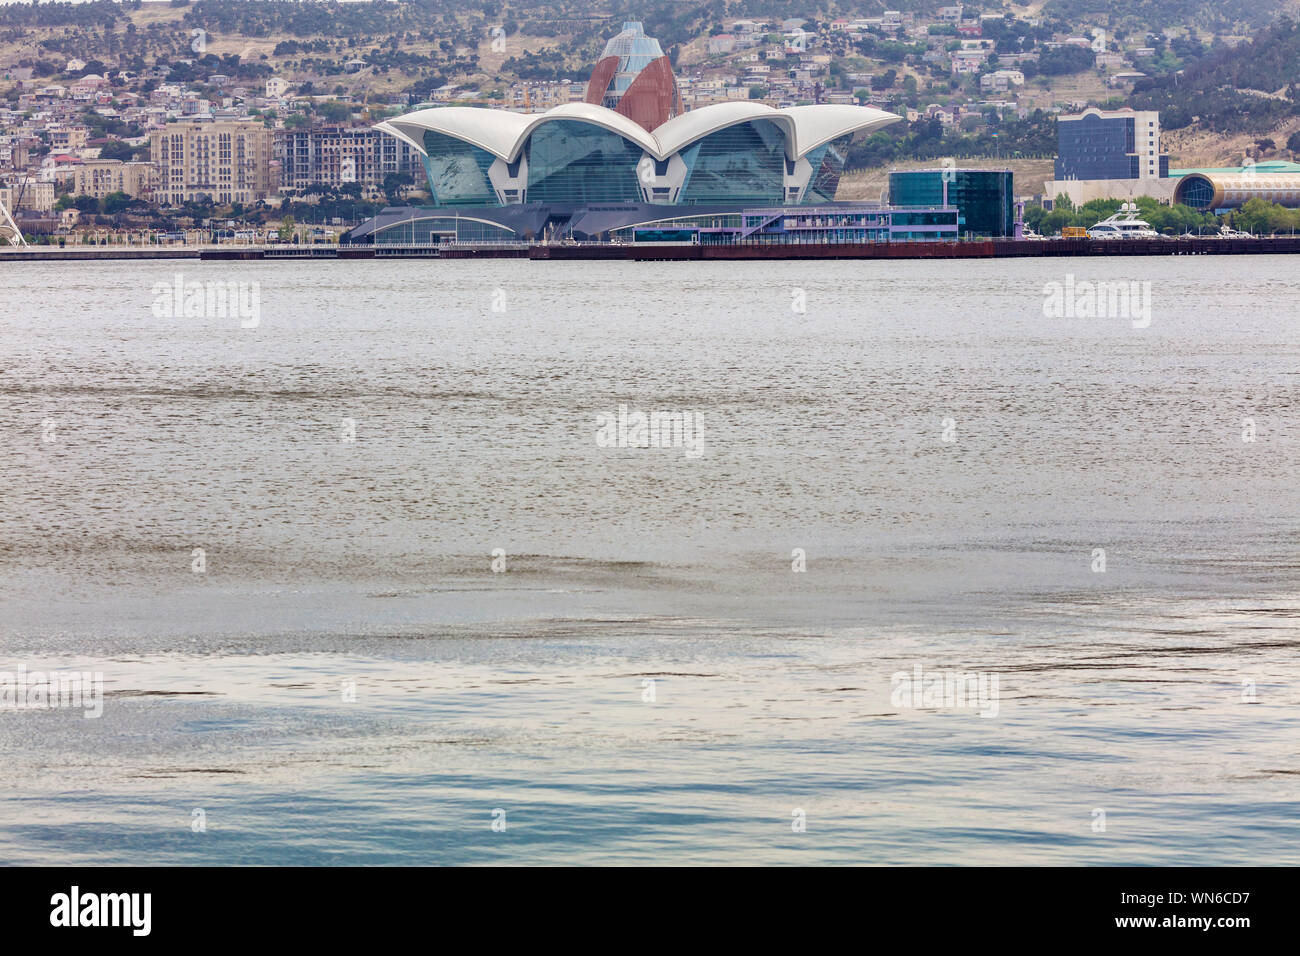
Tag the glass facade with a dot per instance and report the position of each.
(742, 163)
(458, 172)
(827, 162)
(575, 162)
(635, 51)
(984, 198)
(1195, 191)
(634, 78)
(798, 225)
(1097, 147)
(437, 229)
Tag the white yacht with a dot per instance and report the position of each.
(1227, 232)
(1125, 224)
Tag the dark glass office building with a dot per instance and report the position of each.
(985, 198)
(1123, 144)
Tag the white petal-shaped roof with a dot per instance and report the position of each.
(391, 130)
(504, 133)
(497, 131)
(591, 113)
(685, 128)
(815, 125)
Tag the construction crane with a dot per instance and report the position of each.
(8, 228)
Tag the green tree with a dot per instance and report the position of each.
(395, 186)
(334, 112)
(116, 202)
(116, 149)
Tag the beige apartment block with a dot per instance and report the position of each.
(224, 160)
(30, 194)
(68, 137)
(99, 177)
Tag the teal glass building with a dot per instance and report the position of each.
(985, 198)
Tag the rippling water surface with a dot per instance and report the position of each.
(1162, 691)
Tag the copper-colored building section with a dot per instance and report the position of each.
(600, 78)
(651, 99)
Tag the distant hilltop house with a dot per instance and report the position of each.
(1126, 78)
(276, 87)
(1002, 80)
(354, 66)
(968, 61)
(74, 65)
(722, 43)
(67, 137)
(87, 86)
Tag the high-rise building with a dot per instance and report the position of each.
(28, 193)
(1119, 144)
(223, 160)
(331, 156)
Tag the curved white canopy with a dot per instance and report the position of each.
(590, 113)
(685, 128)
(504, 133)
(391, 130)
(497, 131)
(815, 125)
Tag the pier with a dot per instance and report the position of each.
(685, 252)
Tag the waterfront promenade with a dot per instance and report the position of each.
(687, 252)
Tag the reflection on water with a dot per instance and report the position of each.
(348, 680)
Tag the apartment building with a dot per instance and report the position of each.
(332, 155)
(224, 160)
(99, 177)
(28, 193)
